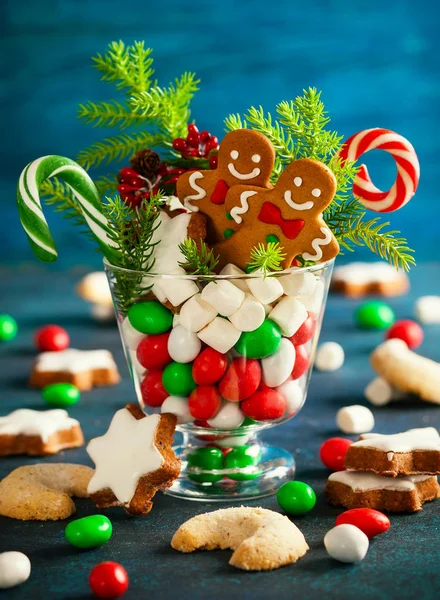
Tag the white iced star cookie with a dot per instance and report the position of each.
(133, 460)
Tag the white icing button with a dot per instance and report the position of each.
(289, 314)
(346, 543)
(256, 158)
(298, 283)
(220, 334)
(225, 297)
(380, 393)
(231, 270)
(427, 309)
(355, 419)
(234, 154)
(278, 367)
(250, 315)
(316, 192)
(229, 416)
(293, 395)
(15, 568)
(195, 314)
(132, 338)
(329, 357)
(183, 345)
(177, 405)
(265, 289)
(298, 181)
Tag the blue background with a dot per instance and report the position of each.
(377, 64)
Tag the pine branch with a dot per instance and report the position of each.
(266, 258)
(109, 114)
(199, 259)
(107, 185)
(234, 121)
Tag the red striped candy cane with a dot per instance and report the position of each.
(408, 168)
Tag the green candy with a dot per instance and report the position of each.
(296, 498)
(8, 328)
(272, 238)
(262, 342)
(374, 314)
(61, 394)
(228, 232)
(247, 421)
(242, 457)
(207, 459)
(150, 317)
(178, 380)
(89, 532)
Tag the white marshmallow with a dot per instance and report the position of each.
(233, 270)
(183, 345)
(346, 543)
(15, 568)
(250, 315)
(278, 367)
(102, 313)
(380, 393)
(293, 395)
(177, 405)
(267, 308)
(195, 314)
(220, 334)
(313, 301)
(265, 289)
(427, 309)
(176, 290)
(130, 335)
(298, 283)
(329, 357)
(289, 314)
(225, 297)
(355, 419)
(229, 416)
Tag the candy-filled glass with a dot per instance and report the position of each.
(231, 355)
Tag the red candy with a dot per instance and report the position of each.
(152, 352)
(265, 405)
(408, 331)
(370, 521)
(333, 451)
(152, 389)
(241, 379)
(301, 362)
(204, 402)
(209, 367)
(305, 332)
(51, 338)
(108, 580)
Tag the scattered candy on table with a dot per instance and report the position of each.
(329, 357)
(374, 314)
(346, 543)
(380, 393)
(296, 498)
(51, 338)
(369, 521)
(89, 532)
(408, 331)
(15, 569)
(332, 453)
(427, 310)
(61, 394)
(8, 328)
(108, 580)
(355, 419)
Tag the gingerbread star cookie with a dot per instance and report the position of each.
(244, 156)
(133, 460)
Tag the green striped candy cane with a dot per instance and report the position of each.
(86, 194)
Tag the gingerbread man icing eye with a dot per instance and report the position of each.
(256, 158)
(234, 154)
(316, 192)
(298, 181)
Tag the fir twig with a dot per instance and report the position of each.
(109, 114)
(266, 258)
(199, 259)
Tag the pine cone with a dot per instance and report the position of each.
(146, 162)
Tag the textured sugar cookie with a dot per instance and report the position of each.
(359, 279)
(43, 492)
(354, 489)
(83, 368)
(411, 452)
(36, 433)
(133, 460)
(261, 539)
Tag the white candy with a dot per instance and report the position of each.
(346, 543)
(329, 357)
(355, 419)
(293, 395)
(225, 297)
(233, 440)
(298, 283)
(220, 334)
(265, 289)
(137, 367)
(233, 270)
(177, 405)
(250, 315)
(289, 314)
(278, 367)
(130, 335)
(183, 345)
(380, 393)
(313, 302)
(229, 416)
(195, 314)
(15, 568)
(427, 309)
(176, 290)
(102, 313)
(176, 320)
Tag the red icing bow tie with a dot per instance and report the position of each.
(271, 214)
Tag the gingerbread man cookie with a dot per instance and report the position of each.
(290, 213)
(245, 156)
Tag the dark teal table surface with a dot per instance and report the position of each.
(403, 563)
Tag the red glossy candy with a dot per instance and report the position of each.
(370, 521)
(241, 379)
(333, 451)
(408, 331)
(51, 338)
(305, 332)
(301, 362)
(204, 402)
(265, 405)
(108, 580)
(152, 389)
(152, 352)
(209, 367)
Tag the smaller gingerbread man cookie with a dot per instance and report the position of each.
(245, 156)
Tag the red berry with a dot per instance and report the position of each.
(136, 182)
(152, 351)
(180, 145)
(241, 379)
(305, 332)
(301, 362)
(213, 161)
(51, 338)
(212, 142)
(370, 521)
(205, 136)
(209, 366)
(333, 451)
(408, 331)
(204, 402)
(193, 140)
(265, 405)
(108, 580)
(163, 168)
(126, 173)
(192, 129)
(153, 392)
(193, 153)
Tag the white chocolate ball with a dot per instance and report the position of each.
(277, 367)
(346, 543)
(355, 419)
(183, 345)
(230, 416)
(15, 568)
(177, 405)
(329, 357)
